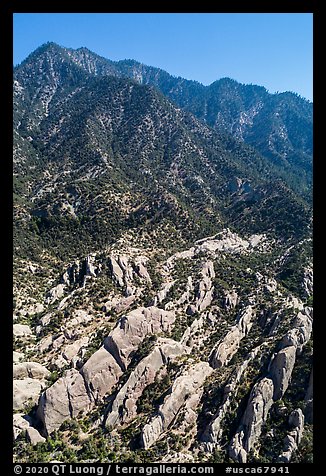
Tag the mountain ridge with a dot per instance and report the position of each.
(269, 122)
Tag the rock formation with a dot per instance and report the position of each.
(228, 346)
(293, 438)
(66, 398)
(78, 391)
(183, 387)
(124, 405)
(26, 392)
(260, 401)
(132, 329)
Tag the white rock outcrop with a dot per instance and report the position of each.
(132, 329)
(272, 387)
(79, 391)
(214, 431)
(66, 398)
(231, 299)
(281, 370)
(183, 387)
(33, 436)
(20, 423)
(31, 370)
(282, 364)
(300, 334)
(101, 372)
(22, 330)
(204, 295)
(293, 438)
(54, 294)
(125, 269)
(225, 349)
(260, 401)
(26, 392)
(308, 411)
(124, 406)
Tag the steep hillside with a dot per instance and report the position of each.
(162, 277)
(279, 125)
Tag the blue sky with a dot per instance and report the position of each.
(270, 49)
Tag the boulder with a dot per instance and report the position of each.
(22, 330)
(308, 281)
(30, 369)
(225, 349)
(20, 423)
(101, 372)
(214, 431)
(124, 406)
(117, 273)
(300, 334)
(204, 295)
(33, 436)
(26, 392)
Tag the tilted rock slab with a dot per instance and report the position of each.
(101, 372)
(280, 371)
(300, 334)
(205, 290)
(282, 365)
(54, 294)
(124, 271)
(124, 406)
(293, 438)
(308, 280)
(214, 430)
(132, 330)
(20, 423)
(183, 387)
(260, 401)
(65, 399)
(225, 349)
(231, 299)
